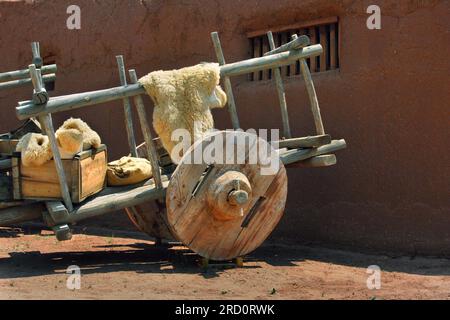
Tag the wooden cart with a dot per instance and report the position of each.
(220, 211)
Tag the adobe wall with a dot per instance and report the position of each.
(389, 100)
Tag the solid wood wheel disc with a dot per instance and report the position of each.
(150, 218)
(216, 228)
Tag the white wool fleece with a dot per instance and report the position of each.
(183, 97)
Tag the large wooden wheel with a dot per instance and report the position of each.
(222, 211)
(151, 219)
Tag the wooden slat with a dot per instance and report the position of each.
(116, 198)
(299, 25)
(305, 142)
(92, 177)
(324, 43)
(23, 213)
(228, 87)
(127, 109)
(25, 74)
(333, 47)
(265, 49)
(255, 54)
(285, 69)
(29, 109)
(152, 154)
(23, 82)
(6, 189)
(315, 162)
(312, 61)
(281, 92)
(294, 44)
(303, 154)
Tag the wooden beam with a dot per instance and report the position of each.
(40, 95)
(47, 126)
(327, 160)
(270, 62)
(116, 198)
(227, 82)
(25, 74)
(19, 214)
(5, 164)
(36, 51)
(23, 82)
(314, 101)
(281, 93)
(300, 25)
(127, 108)
(304, 142)
(146, 132)
(324, 43)
(303, 154)
(74, 101)
(295, 44)
(46, 121)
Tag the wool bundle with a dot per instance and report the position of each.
(35, 149)
(72, 137)
(68, 138)
(183, 99)
(70, 142)
(128, 171)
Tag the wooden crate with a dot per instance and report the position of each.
(85, 174)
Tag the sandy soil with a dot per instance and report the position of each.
(125, 265)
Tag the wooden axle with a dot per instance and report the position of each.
(29, 109)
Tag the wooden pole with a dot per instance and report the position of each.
(295, 44)
(115, 199)
(314, 101)
(74, 101)
(25, 74)
(151, 149)
(281, 93)
(228, 88)
(40, 95)
(37, 60)
(269, 62)
(47, 127)
(24, 82)
(19, 214)
(296, 155)
(127, 109)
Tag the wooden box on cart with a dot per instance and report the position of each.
(85, 174)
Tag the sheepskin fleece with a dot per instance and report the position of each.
(35, 149)
(71, 140)
(182, 97)
(128, 171)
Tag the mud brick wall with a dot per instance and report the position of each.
(389, 100)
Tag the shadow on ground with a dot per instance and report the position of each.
(144, 257)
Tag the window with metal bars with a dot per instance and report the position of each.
(50, 85)
(325, 32)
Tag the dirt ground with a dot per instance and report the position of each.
(125, 265)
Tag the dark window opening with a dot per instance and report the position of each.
(49, 85)
(326, 34)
